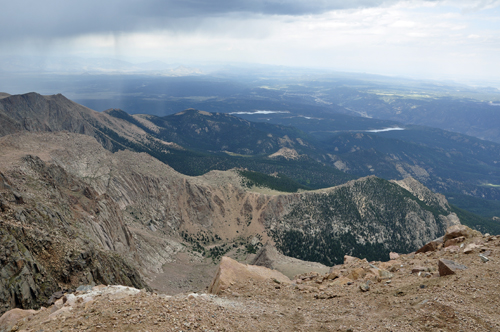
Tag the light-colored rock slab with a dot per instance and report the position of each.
(11, 317)
(232, 272)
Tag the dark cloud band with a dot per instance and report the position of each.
(23, 19)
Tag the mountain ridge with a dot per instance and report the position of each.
(444, 161)
(136, 207)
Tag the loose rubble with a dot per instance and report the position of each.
(409, 293)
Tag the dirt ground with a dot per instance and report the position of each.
(183, 276)
(188, 274)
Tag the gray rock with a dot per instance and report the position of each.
(484, 258)
(365, 287)
(54, 297)
(418, 269)
(84, 288)
(383, 274)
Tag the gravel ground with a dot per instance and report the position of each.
(466, 301)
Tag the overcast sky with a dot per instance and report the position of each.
(421, 38)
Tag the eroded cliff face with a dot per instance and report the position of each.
(56, 232)
(370, 211)
(132, 212)
(158, 204)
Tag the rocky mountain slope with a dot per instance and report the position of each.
(75, 213)
(56, 232)
(33, 112)
(449, 289)
(443, 161)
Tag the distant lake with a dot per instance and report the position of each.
(493, 104)
(260, 112)
(385, 129)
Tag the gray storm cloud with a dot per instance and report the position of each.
(31, 19)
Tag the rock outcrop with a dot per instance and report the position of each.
(455, 234)
(423, 193)
(230, 272)
(24, 282)
(9, 319)
(285, 153)
(458, 231)
(56, 231)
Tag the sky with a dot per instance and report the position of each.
(437, 39)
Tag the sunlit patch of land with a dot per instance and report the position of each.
(237, 154)
(404, 95)
(491, 185)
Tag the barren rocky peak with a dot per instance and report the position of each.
(286, 153)
(34, 112)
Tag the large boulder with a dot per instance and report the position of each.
(350, 259)
(393, 255)
(457, 231)
(447, 267)
(11, 317)
(231, 272)
(431, 246)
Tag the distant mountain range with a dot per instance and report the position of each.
(195, 142)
